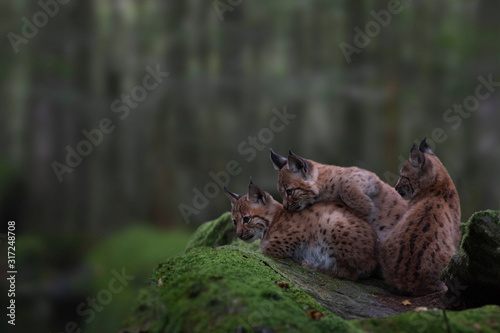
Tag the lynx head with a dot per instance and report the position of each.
(420, 171)
(253, 213)
(296, 181)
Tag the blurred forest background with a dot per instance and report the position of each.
(233, 66)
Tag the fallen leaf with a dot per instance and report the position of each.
(244, 256)
(160, 282)
(374, 295)
(477, 327)
(406, 303)
(315, 315)
(283, 285)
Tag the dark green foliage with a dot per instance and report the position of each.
(137, 250)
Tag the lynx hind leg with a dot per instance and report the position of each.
(355, 248)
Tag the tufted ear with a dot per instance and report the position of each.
(417, 158)
(424, 147)
(232, 196)
(278, 161)
(297, 163)
(255, 194)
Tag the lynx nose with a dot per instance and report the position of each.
(401, 191)
(239, 234)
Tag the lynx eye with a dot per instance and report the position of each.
(289, 192)
(246, 219)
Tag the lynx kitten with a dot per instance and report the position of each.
(303, 182)
(420, 246)
(329, 238)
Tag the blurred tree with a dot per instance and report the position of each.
(226, 75)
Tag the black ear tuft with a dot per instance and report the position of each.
(278, 161)
(232, 196)
(296, 163)
(424, 147)
(255, 194)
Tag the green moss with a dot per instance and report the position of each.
(486, 319)
(225, 289)
(214, 233)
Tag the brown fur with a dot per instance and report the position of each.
(303, 182)
(420, 246)
(329, 238)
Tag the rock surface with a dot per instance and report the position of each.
(234, 288)
(473, 274)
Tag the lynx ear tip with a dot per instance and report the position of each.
(273, 155)
(425, 148)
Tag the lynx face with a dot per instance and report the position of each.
(416, 172)
(407, 185)
(251, 213)
(296, 181)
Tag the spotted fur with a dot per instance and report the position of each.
(420, 246)
(328, 238)
(302, 182)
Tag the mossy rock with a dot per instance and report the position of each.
(214, 233)
(226, 289)
(234, 288)
(473, 274)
